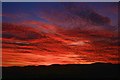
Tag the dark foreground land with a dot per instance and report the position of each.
(59, 72)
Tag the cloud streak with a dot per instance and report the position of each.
(71, 35)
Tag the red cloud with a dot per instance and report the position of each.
(24, 45)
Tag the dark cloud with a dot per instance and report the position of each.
(99, 19)
(89, 51)
(17, 43)
(7, 35)
(20, 32)
(25, 48)
(76, 15)
(24, 51)
(85, 12)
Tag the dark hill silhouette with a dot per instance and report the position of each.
(69, 71)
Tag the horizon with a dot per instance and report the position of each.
(96, 63)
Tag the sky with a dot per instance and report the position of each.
(46, 33)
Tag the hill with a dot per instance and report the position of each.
(70, 71)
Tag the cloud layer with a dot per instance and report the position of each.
(68, 35)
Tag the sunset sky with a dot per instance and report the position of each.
(59, 33)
